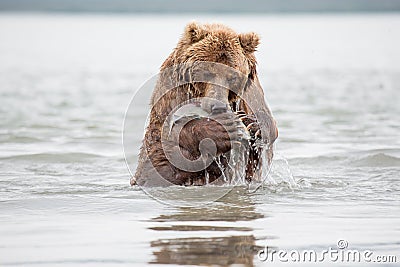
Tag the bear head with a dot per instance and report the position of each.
(233, 55)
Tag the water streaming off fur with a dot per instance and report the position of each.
(234, 173)
(275, 176)
(332, 82)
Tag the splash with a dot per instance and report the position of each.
(276, 176)
(281, 173)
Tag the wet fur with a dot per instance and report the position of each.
(212, 43)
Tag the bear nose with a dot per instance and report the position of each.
(218, 107)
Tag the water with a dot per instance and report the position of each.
(65, 81)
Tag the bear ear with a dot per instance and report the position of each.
(194, 32)
(249, 41)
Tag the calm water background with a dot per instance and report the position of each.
(332, 82)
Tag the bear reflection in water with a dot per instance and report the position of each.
(229, 244)
(222, 251)
(228, 131)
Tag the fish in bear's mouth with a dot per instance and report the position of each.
(193, 110)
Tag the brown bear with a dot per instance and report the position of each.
(233, 111)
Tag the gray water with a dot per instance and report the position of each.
(331, 81)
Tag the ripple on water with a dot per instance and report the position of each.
(53, 157)
(377, 160)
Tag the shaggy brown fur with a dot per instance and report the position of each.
(204, 43)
